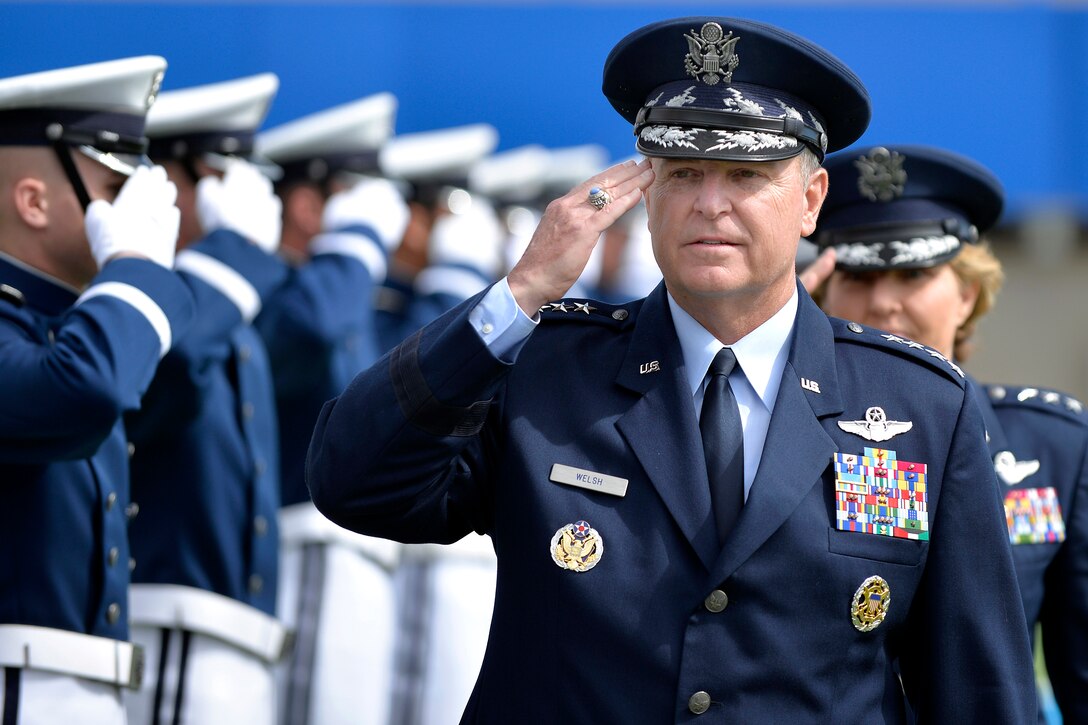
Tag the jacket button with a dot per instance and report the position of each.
(699, 702)
(256, 583)
(113, 613)
(244, 353)
(248, 410)
(111, 499)
(131, 449)
(260, 525)
(131, 564)
(716, 601)
(132, 510)
(259, 466)
(114, 555)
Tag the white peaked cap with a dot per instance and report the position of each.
(572, 165)
(237, 105)
(511, 176)
(362, 125)
(128, 85)
(436, 154)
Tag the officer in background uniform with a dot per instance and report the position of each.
(433, 166)
(206, 466)
(680, 546)
(904, 222)
(336, 586)
(88, 306)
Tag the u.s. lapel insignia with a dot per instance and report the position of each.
(1012, 471)
(876, 426)
(577, 547)
(870, 604)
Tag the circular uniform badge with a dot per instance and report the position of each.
(870, 604)
(577, 547)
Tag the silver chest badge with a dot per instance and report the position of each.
(876, 426)
(577, 547)
(711, 54)
(1012, 471)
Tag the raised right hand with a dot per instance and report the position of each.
(569, 230)
(142, 221)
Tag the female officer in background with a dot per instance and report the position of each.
(904, 223)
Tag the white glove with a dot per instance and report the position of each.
(244, 202)
(142, 220)
(473, 237)
(375, 203)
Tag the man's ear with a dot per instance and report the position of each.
(815, 193)
(29, 199)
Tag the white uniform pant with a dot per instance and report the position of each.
(445, 598)
(336, 595)
(34, 697)
(194, 679)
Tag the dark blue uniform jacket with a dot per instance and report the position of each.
(440, 438)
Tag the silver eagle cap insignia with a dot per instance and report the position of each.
(880, 174)
(876, 426)
(712, 55)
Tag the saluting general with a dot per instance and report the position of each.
(714, 503)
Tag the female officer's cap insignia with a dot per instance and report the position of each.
(711, 54)
(870, 604)
(880, 174)
(577, 547)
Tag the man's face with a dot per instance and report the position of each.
(72, 252)
(729, 229)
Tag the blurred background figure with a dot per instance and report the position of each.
(635, 273)
(433, 167)
(88, 306)
(904, 223)
(340, 222)
(206, 463)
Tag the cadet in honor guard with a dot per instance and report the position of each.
(434, 168)
(340, 222)
(206, 462)
(810, 534)
(904, 222)
(88, 306)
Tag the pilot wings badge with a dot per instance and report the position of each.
(876, 426)
(711, 54)
(1012, 471)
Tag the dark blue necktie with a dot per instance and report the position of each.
(723, 444)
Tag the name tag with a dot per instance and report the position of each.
(603, 483)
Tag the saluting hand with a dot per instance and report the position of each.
(817, 273)
(568, 231)
(141, 222)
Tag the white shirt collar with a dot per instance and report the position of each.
(761, 354)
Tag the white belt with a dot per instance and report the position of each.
(303, 524)
(468, 549)
(172, 606)
(70, 653)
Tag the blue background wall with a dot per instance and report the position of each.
(1004, 83)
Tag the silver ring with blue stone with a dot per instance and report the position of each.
(599, 198)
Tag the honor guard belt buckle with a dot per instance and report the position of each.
(86, 656)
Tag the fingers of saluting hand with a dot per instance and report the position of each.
(817, 273)
(568, 231)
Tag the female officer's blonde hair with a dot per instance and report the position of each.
(976, 264)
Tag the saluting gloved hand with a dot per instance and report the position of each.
(472, 237)
(142, 221)
(374, 203)
(244, 202)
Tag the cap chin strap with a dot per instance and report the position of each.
(67, 162)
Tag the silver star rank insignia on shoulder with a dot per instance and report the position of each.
(876, 426)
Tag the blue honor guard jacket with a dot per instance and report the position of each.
(868, 578)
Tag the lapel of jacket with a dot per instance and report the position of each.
(661, 427)
(997, 440)
(797, 450)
